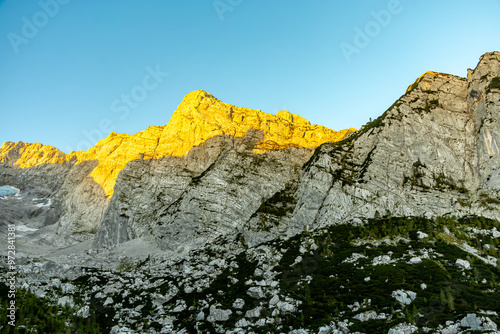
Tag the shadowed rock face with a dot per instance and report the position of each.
(75, 203)
(188, 201)
(244, 174)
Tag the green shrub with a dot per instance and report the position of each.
(41, 315)
(494, 84)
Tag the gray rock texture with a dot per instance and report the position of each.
(434, 152)
(181, 203)
(60, 201)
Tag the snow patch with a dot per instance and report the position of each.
(42, 202)
(24, 228)
(7, 191)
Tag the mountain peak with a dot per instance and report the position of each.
(203, 104)
(195, 97)
(423, 81)
(292, 118)
(199, 117)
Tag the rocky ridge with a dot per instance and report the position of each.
(434, 140)
(198, 118)
(27, 155)
(441, 139)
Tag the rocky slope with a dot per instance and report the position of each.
(433, 152)
(386, 275)
(391, 229)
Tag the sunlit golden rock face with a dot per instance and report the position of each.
(115, 151)
(199, 117)
(28, 155)
(425, 80)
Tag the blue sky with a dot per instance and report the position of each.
(71, 71)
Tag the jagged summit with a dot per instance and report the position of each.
(201, 102)
(488, 56)
(199, 117)
(193, 100)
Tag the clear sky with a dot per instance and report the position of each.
(71, 71)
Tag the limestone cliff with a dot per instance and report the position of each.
(434, 152)
(186, 201)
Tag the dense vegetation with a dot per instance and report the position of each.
(328, 285)
(37, 315)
